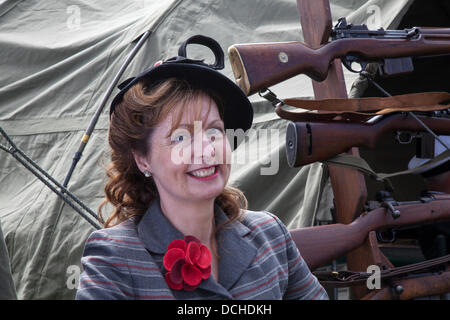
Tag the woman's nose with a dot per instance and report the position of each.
(208, 148)
(204, 147)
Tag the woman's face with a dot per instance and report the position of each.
(193, 162)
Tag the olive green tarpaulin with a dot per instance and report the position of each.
(57, 60)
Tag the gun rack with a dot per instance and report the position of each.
(349, 187)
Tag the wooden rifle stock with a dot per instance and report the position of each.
(320, 245)
(260, 65)
(310, 142)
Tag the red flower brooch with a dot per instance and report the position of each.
(188, 262)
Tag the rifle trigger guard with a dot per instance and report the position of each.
(404, 137)
(348, 62)
(381, 236)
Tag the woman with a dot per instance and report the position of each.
(177, 230)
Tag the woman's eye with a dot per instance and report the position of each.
(178, 137)
(217, 130)
(215, 133)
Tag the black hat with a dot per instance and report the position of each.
(238, 113)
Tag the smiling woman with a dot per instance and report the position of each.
(177, 229)
(146, 137)
(147, 126)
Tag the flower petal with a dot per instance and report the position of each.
(205, 272)
(177, 243)
(204, 260)
(191, 238)
(191, 275)
(171, 284)
(192, 252)
(171, 256)
(175, 273)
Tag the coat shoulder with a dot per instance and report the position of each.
(265, 221)
(117, 266)
(121, 236)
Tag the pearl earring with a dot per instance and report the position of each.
(147, 174)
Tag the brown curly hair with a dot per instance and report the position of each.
(132, 122)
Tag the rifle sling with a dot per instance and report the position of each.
(347, 160)
(321, 117)
(352, 278)
(424, 101)
(343, 116)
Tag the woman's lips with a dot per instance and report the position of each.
(212, 176)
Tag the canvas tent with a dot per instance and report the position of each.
(58, 59)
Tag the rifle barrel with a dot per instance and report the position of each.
(424, 30)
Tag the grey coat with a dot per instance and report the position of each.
(258, 260)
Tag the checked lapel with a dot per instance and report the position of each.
(155, 231)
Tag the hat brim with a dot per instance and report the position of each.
(238, 113)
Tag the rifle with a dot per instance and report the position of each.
(260, 65)
(320, 245)
(307, 142)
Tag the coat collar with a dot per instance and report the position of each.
(235, 250)
(156, 231)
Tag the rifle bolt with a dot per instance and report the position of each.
(396, 214)
(399, 289)
(283, 57)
